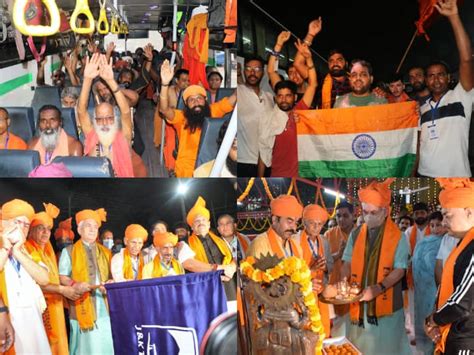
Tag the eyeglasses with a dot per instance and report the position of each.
(104, 119)
(255, 69)
(21, 223)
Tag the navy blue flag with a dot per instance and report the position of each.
(166, 315)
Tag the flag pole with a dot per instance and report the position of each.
(407, 50)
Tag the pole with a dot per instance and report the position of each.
(183, 208)
(226, 145)
(407, 50)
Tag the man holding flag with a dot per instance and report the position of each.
(164, 263)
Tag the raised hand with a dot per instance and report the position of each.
(315, 26)
(166, 72)
(91, 70)
(148, 52)
(110, 47)
(105, 69)
(303, 49)
(447, 7)
(283, 37)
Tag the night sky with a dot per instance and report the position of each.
(378, 31)
(126, 201)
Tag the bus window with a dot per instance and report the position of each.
(248, 45)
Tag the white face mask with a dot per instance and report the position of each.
(108, 243)
(373, 221)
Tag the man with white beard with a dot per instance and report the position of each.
(51, 139)
(110, 132)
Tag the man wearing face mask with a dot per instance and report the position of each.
(107, 239)
(376, 257)
(63, 236)
(20, 278)
(278, 240)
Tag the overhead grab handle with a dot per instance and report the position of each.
(82, 8)
(102, 21)
(19, 11)
(115, 26)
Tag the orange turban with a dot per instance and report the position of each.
(315, 212)
(46, 217)
(98, 215)
(377, 193)
(136, 231)
(286, 206)
(64, 230)
(17, 208)
(456, 193)
(199, 209)
(192, 90)
(160, 239)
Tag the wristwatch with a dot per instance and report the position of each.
(4, 309)
(383, 288)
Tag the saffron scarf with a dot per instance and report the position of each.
(160, 271)
(128, 268)
(198, 248)
(447, 287)
(277, 248)
(243, 242)
(85, 307)
(412, 249)
(376, 267)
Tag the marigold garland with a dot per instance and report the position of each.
(246, 191)
(299, 273)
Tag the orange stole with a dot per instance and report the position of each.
(127, 266)
(447, 288)
(308, 258)
(243, 242)
(198, 248)
(277, 248)
(391, 236)
(413, 233)
(53, 316)
(85, 309)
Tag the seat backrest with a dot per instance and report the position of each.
(69, 121)
(18, 163)
(45, 95)
(87, 167)
(22, 122)
(224, 92)
(208, 147)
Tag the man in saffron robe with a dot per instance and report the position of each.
(376, 257)
(85, 265)
(128, 264)
(8, 140)
(164, 263)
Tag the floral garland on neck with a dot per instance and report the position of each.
(299, 273)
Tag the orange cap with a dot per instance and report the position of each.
(192, 90)
(286, 206)
(17, 208)
(199, 209)
(377, 193)
(46, 217)
(99, 215)
(456, 193)
(64, 230)
(136, 231)
(315, 212)
(160, 239)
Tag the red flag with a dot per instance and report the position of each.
(428, 14)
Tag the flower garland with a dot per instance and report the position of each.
(299, 273)
(247, 190)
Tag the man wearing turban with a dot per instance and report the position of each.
(164, 263)
(86, 266)
(63, 235)
(376, 258)
(21, 274)
(39, 246)
(209, 248)
(278, 240)
(127, 265)
(451, 326)
(188, 123)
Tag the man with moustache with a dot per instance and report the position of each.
(254, 103)
(164, 263)
(51, 139)
(188, 122)
(109, 133)
(236, 242)
(360, 78)
(446, 116)
(278, 139)
(417, 79)
(8, 140)
(286, 211)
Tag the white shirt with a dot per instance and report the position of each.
(447, 245)
(250, 110)
(444, 141)
(116, 266)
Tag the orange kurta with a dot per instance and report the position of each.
(189, 142)
(53, 316)
(15, 142)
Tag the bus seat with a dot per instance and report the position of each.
(69, 121)
(224, 92)
(208, 147)
(45, 95)
(87, 167)
(22, 122)
(18, 163)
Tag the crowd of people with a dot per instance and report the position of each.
(133, 96)
(53, 300)
(414, 272)
(267, 120)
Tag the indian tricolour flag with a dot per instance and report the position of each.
(369, 141)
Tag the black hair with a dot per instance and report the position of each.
(286, 84)
(127, 71)
(362, 62)
(257, 58)
(395, 77)
(438, 62)
(50, 107)
(436, 215)
(335, 51)
(420, 206)
(5, 110)
(417, 67)
(159, 221)
(179, 72)
(211, 73)
(406, 217)
(183, 225)
(345, 204)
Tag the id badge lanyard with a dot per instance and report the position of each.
(433, 132)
